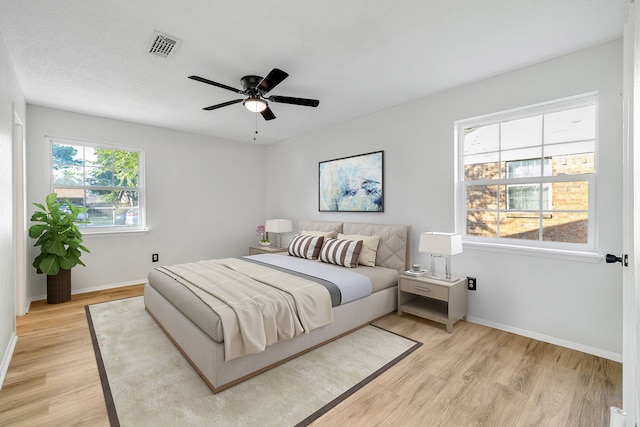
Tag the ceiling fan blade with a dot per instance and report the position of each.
(211, 82)
(268, 114)
(224, 104)
(296, 101)
(273, 79)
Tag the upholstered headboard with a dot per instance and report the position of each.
(320, 226)
(394, 249)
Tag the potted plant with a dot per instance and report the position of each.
(60, 244)
(264, 239)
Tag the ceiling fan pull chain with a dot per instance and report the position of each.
(255, 136)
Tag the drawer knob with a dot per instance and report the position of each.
(423, 289)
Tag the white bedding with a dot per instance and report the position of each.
(352, 285)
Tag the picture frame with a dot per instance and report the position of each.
(352, 184)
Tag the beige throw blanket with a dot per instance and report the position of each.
(258, 306)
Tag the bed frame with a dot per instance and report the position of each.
(207, 355)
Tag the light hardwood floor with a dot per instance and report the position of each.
(476, 376)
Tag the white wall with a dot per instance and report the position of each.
(571, 303)
(11, 101)
(204, 197)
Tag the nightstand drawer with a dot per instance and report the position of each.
(425, 289)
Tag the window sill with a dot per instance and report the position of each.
(569, 255)
(112, 233)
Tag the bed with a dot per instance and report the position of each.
(201, 341)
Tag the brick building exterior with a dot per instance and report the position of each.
(564, 216)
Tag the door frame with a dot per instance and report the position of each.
(631, 215)
(19, 215)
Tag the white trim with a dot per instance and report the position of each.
(568, 255)
(6, 359)
(529, 246)
(142, 212)
(21, 228)
(111, 233)
(630, 218)
(549, 339)
(94, 289)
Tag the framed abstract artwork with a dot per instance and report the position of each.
(352, 184)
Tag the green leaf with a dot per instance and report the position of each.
(67, 263)
(50, 200)
(54, 246)
(36, 230)
(39, 217)
(50, 265)
(55, 213)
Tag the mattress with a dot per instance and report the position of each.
(209, 321)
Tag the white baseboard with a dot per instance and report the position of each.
(6, 359)
(549, 339)
(85, 290)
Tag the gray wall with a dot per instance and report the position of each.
(204, 197)
(568, 302)
(11, 101)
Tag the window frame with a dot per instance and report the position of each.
(96, 231)
(578, 251)
(548, 187)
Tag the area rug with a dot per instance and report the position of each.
(147, 381)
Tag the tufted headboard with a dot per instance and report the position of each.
(394, 249)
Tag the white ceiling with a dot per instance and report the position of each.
(355, 56)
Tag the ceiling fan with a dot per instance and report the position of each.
(256, 88)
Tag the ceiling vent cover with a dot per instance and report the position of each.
(162, 45)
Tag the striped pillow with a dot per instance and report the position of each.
(341, 252)
(306, 246)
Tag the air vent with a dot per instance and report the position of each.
(162, 45)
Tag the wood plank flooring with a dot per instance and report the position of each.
(476, 376)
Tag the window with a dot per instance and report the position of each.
(107, 180)
(526, 196)
(527, 177)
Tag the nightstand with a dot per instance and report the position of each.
(255, 250)
(433, 299)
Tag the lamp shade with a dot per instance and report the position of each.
(440, 243)
(278, 226)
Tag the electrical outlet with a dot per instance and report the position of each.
(154, 257)
(472, 283)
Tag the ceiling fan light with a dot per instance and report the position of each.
(254, 104)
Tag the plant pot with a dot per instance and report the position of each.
(265, 243)
(59, 287)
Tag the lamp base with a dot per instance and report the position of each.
(447, 277)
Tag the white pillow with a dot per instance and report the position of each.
(325, 234)
(341, 252)
(369, 247)
(306, 246)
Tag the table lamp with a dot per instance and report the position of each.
(278, 226)
(441, 245)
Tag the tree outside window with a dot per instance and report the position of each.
(104, 179)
